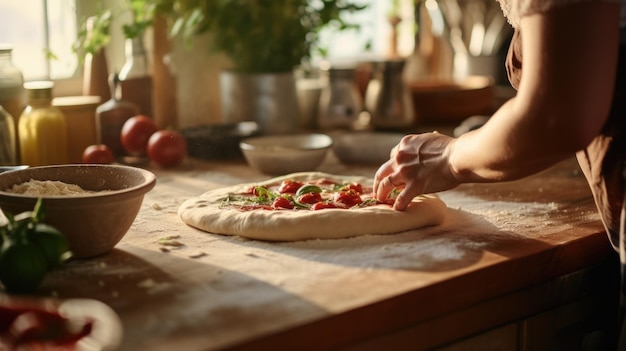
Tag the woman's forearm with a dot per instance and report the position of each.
(562, 102)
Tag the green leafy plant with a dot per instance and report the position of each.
(95, 32)
(29, 249)
(259, 36)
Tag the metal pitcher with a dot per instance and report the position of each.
(388, 99)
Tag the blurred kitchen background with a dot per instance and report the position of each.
(444, 47)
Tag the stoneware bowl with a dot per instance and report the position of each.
(218, 141)
(93, 223)
(282, 154)
(368, 148)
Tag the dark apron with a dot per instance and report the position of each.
(604, 164)
(603, 160)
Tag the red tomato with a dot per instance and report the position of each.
(289, 186)
(167, 148)
(347, 198)
(135, 134)
(310, 198)
(323, 205)
(99, 153)
(358, 188)
(282, 202)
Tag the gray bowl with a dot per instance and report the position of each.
(283, 154)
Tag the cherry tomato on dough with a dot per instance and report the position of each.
(98, 153)
(323, 205)
(135, 134)
(358, 188)
(282, 202)
(289, 186)
(347, 198)
(167, 148)
(310, 198)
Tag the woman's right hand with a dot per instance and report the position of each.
(418, 165)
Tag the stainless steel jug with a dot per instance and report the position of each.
(388, 99)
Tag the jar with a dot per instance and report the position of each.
(42, 131)
(340, 103)
(8, 154)
(111, 116)
(80, 118)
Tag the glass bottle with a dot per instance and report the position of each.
(8, 155)
(42, 130)
(340, 102)
(111, 116)
(12, 94)
(135, 77)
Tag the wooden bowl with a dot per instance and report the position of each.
(92, 223)
(451, 101)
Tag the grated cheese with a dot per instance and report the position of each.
(48, 188)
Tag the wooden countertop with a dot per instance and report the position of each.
(177, 288)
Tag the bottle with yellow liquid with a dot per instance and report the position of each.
(42, 129)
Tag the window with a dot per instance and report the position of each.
(41, 33)
(375, 29)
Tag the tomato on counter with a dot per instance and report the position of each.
(167, 148)
(135, 134)
(99, 153)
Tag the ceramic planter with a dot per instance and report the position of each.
(269, 99)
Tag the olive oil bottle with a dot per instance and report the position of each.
(42, 129)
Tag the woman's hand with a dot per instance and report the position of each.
(418, 165)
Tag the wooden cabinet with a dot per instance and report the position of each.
(577, 311)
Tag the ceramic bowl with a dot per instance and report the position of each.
(451, 101)
(282, 154)
(371, 148)
(92, 223)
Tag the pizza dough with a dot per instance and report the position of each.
(204, 212)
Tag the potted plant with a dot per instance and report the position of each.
(265, 41)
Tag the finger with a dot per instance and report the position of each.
(406, 196)
(385, 187)
(394, 151)
(382, 172)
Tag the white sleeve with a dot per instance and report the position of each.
(514, 10)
